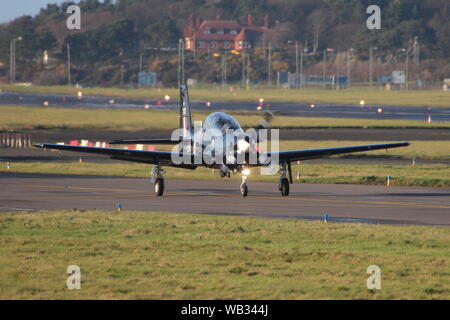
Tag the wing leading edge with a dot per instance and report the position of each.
(151, 157)
(306, 154)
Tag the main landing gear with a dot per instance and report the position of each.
(159, 181)
(283, 186)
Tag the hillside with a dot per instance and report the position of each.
(115, 33)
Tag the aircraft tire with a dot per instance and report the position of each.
(159, 187)
(244, 190)
(284, 187)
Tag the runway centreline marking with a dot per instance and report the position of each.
(379, 203)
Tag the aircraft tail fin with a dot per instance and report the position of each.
(185, 113)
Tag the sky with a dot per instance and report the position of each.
(10, 9)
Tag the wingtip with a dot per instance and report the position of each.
(38, 145)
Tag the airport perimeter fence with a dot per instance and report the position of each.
(15, 140)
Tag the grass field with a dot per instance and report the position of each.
(150, 255)
(38, 118)
(349, 96)
(419, 175)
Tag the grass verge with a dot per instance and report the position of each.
(419, 175)
(348, 96)
(150, 255)
(40, 118)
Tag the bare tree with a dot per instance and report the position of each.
(317, 23)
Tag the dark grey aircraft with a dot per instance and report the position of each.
(219, 143)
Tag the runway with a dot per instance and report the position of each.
(342, 203)
(282, 108)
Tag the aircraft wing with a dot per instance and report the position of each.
(296, 155)
(151, 157)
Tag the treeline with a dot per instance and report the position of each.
(114, 34)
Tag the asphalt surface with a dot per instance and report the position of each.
(289, 109)
(342, 203)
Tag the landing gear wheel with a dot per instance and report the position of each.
(159, 187)
(244, 189)
(284, 187)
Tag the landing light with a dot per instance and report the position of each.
(246, 172)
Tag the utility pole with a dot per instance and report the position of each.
(179, 62)
(11, 67)
(406, 67)
(243, 69)
(301, 69)
(121, 74)
(324, 66)
(370, 66)
(12, 62)
(225, 73)
(349, 53)
(417, 59)
(223, 67)
(183, 80)
(248, 71)
(69, 78)
(349, 66)
(269, 66)
(296, 64)
(337, 69)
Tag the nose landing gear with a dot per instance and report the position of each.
(244, 187)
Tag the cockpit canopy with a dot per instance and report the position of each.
(221, 121)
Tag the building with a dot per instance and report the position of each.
(215, 35)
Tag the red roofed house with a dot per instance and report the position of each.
(214, 35)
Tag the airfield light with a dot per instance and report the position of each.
(246, 172)
(167, 97)
(362, 103)
(312, 106)
(380, 110)
(80, 94)
(208, 104)
(261, 100)
(111, 101)
(146, 106)
(46, 103)
(215, 54)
